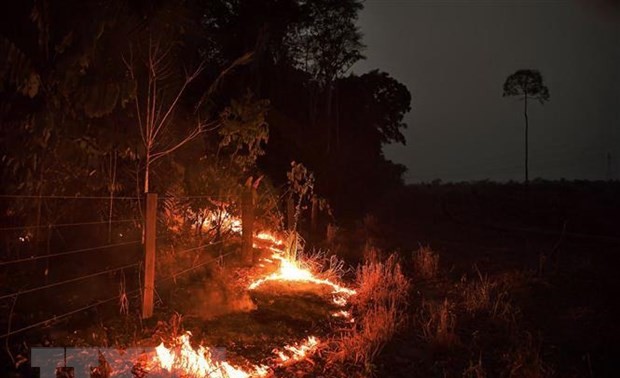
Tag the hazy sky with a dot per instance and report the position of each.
(454, 57)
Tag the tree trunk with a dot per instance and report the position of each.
(527, 178)
(146, 170)
(111, 189)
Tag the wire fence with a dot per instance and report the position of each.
(75, 251)
(68, 239)
(61, 225)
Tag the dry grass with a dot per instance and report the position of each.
(489, 296)
(379, 308)
(475, 369)
(381, 282)
(437, 324)
(524, 360)
(326, 266)
(477, 294)
(367, 336)
(425, 262)
(170, 330)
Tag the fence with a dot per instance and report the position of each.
(41, 258)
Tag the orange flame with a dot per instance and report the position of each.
(297, 352)
(184, 360)
(293, 272)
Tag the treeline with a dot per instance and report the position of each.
(191, 98)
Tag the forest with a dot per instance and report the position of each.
(191, 98)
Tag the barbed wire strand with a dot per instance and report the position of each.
(62, 316)
(27, 196)
(200, 247)
(56, 318)
(181, 272)
(35, 258)
(199, 197)
(32, 290)
(66, 224)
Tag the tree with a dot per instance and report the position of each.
(528, 85)
(62, 101)
(326, 44)
(154, 110)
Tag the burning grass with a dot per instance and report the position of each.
(298, 303)
(292, 266)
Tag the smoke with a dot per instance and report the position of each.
(605, 8)
(219, 296)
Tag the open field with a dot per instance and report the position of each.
(527, 282)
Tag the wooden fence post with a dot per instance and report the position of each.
(247, 224)
(290, 212)
(150, 226)
(314, 215)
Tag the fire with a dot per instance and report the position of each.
(297, 352)
(183, 360)
(266, 236)
(342, 314)
(225, 219)
(292, 271)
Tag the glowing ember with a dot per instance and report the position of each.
(345, 315)
(297, 352)
(227, 221)
(266, 236)
(224, 219)
(342, 314)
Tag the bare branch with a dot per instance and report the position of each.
(197, 131)
(242, 60)
(188, 80)
(130, 70)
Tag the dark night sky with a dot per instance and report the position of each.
(454, 57)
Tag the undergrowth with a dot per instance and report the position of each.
(379, 310)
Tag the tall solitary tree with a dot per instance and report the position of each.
(528, 85)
